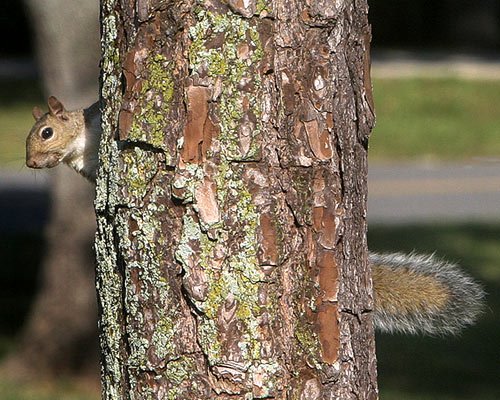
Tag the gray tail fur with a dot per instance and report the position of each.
(457, 298)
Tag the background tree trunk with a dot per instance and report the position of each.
(60, 335)
(231, 202)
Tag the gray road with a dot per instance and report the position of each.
(413, 193)
(398, 194)
(406, 64)
(24, 201)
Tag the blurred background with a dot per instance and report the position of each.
(434, 187)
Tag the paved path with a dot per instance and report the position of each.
(24, 201)
(413, 193)
(406, 64)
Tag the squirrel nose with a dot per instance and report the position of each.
(32, 163)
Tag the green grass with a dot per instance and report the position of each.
(458, 368)
(451, 120)
(17, 99)
(435, 119)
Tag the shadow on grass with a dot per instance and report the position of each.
(21, 256)
(462, 367)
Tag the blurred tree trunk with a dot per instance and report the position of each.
(60, 335)
(231, 201)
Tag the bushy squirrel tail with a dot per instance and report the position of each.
(421, 294)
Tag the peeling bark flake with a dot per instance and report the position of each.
(329, 332)
(269, 250)
(199, 129)
(328, 275)
(324, 224)
(206, 201)
(319, 140)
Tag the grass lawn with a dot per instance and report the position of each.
(17, 99)
(442, 119)
(446, 119)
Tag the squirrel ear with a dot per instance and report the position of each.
(56, 108)
(37, 113)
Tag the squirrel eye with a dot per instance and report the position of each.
(47, 133)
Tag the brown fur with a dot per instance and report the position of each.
(403, 291)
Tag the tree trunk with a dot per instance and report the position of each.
(231, 200)
(60, 335)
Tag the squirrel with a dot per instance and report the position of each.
(65, 136)
(412, 293)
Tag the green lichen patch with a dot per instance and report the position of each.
(300, 197)
(180, 370)
(309, 343)
(154, 101)
(263, 7)
(108, 279)
(109, 286)
(234, 61)
(150, 337)
(186, 181)
(111, 93)
(231, 266)
(139, 168)
(163, 336)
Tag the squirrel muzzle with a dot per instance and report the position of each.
(39, 160)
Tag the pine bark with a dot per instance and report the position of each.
(231, 200)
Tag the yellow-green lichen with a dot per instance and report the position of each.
(108, 280)
(186, 182)
(301, 183)
(106, 195)
(165, 331)
(225, 50)
(238, 276)
(139, 167)
(304, 331)
(241, 82)
(179, 370)
(155, 97)
(210, 340)
(309, 342)
(109, 285)
(263, 6)
(142, 246)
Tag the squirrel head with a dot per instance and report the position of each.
(51, 139)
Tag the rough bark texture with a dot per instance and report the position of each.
(232, 200)
(60, 334)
